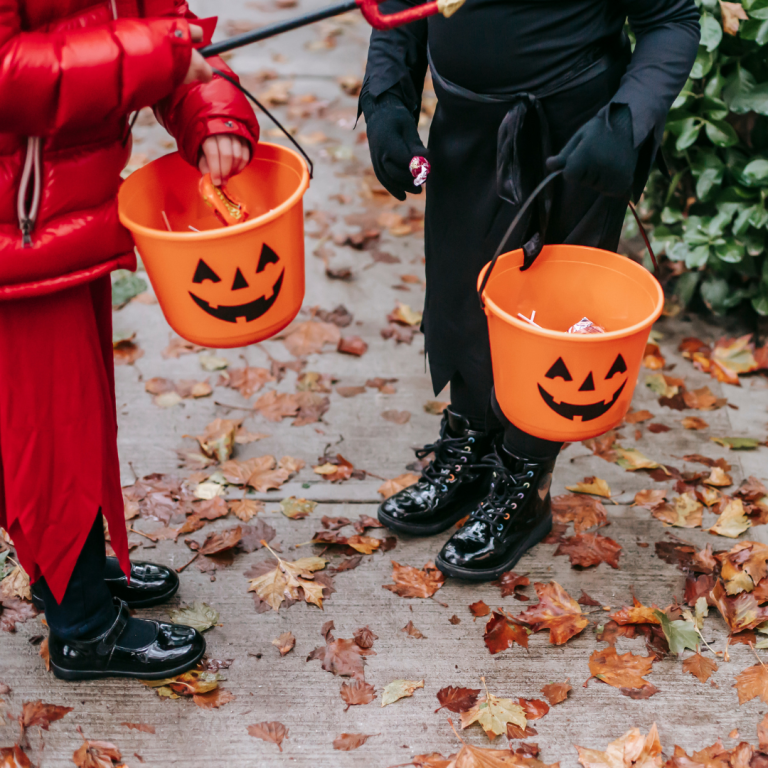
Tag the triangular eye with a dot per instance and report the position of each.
(268, 256)
(559, 369)
(588, 385)
(239, 282)
(204, 272)
(619, 366)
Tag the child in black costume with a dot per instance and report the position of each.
(524, 87)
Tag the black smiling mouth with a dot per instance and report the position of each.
(250, 311)
(586, 412)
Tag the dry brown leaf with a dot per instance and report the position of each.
(588, 549)
(357, 692)
(16, 584)
(412, 582)
(752, 683)
(396, 417)
(342, 657)
(349, 741)
(391, 487)
(731, 13)
(632, 750)
(36, 713)
(637, 614)
(556, 611)
(274, 732)
(593, 485)
(732, 521)
(700, 666)
(96, 754)
(694, 422)
(584, 511)
(285, 643)
(399, 689)
(556, 693)
(247, 381)
(245, 509)
(493, 714)
(213, 699)
(290, 580)
(143, 727)
(501, 633)
(457, 699)
(636, 417)
(310, 337)
(620, 671)
(684, 511)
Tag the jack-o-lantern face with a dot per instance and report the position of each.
(585, 411)
(248, 310)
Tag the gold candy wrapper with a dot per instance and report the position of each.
(227, 209)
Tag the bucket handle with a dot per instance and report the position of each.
(248, 94)
(520, 215)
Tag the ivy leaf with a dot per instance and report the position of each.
(704, 61)
(680, 634)
(755, 174)
(756, 30)
(711, 32)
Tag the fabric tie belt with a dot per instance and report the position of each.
(525, 117)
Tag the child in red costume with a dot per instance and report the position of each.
(71, 72)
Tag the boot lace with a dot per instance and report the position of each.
(507, 492)
(451, 453)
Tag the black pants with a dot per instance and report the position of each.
(466, 218)
(86, 610)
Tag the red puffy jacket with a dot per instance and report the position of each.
(71, 71)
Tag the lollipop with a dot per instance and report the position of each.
(419, 167)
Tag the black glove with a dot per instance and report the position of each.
(394, 140)
(601, 154)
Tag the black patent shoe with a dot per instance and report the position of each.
(450, 486)
(174, 649)
(514, 516)
(150, 584)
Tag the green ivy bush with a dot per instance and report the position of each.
(711, 219)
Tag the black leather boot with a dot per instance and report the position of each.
(171, 650)
(149, 585)
(515, 514)
(450, 485)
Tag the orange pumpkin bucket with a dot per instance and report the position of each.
(222, 286)
(557, 385)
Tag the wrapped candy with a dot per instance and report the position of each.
(419, 167)
(585, 325)
(227, 209)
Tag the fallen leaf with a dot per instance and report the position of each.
(737, 443)
(719, 478)
(620, 671)
(15, 611)
(16, 585)
(391, 487)
(585, 599)
(636, 417)
(247, 381)
(274, 732)
(143, 727)
(632, 460)
(457, 699)
(14, 757)
(352, 345)
(285, 643)
(741, 612)
(632, 750)
(411, 631)
(178, 347)
(343, 657)
(556, 611)
(245, 509)
(290, 580)
(199, 616)
(399, 689)
(684, 511)
(594, 485)
(694, 422)
(556, 693)
(296, 509)
(435, 407)
(126, 351)
(479, 609)
(680, 634)
(584, 511)
(699, 666)
(509, 582)
(350, 391)
(493, 714)
(404, 315)
(96, 754)
(637, 614)
(349, 741)
(501, 633)
(215, 543)
(195, 681)
(212, 362)
(752, 683)
(588, 549)
(213, 699)
(36, 713)
(218, 439)
(732, 521)
(357, 692)
(397, 417)
(412, 582)
(310, 337)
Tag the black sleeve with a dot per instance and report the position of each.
(397, 58)
(667, 34)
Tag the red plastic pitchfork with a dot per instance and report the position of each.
(369, 8)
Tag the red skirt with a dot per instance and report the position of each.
(58, 429)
